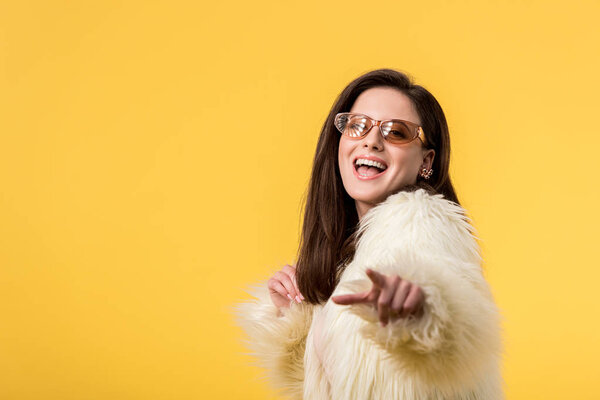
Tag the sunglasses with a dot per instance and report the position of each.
(394, 131)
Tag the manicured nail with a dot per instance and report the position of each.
(298, 299)
(290, 297)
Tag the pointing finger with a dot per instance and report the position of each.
(345, 299)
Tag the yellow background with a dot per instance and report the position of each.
(153, 158)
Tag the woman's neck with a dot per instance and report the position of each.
(362, 208)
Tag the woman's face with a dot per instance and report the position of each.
(403, 162)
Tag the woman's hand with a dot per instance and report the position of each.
(283, 287)
(392, 296)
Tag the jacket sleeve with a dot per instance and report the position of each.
(276, 338)
(430, 243)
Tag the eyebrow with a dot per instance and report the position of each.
(385, 119)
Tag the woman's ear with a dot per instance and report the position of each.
(428, 156)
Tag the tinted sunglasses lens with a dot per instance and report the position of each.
(352, 125)
(398, 132)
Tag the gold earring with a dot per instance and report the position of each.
(426, 173)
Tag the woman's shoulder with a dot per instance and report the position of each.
(420, 218)
(418, 204)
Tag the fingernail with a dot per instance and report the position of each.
(290, 297)
(298, 299)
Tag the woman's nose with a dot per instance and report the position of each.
(374, 138)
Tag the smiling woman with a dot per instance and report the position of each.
(387, 299)
(394, 145)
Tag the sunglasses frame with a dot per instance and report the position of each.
(417, 129)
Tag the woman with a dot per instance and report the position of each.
(387, 299)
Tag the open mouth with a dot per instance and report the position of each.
(368, 170)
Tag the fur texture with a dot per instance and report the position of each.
(329, 351)
(276, 340)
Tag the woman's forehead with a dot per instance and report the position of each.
(385, 103)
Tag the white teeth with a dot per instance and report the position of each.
(362, 161)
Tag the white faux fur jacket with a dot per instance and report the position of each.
(453, 351)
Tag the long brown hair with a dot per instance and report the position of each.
(328, 236)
